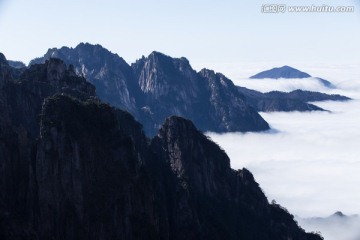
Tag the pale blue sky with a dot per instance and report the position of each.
(203, 31)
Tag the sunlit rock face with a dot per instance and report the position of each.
(111, 75)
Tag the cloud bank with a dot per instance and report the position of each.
(309, 162)
(334, 227)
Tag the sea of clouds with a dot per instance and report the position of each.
(309, 162)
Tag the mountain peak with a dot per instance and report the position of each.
(206, 71)
(87, 44)
(164, 86)
(57, 76)
(5, 69)
(157, 54)
(287, 67)
(160, 55)
(178, 125)
(56, 64)
(338, 214)
(211, 73)
(81, 53)
(281, 72)
(3, 60)
(186, 144)
(9, 70)
(57, 69)
(90, 46)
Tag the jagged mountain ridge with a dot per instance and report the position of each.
(308, 96)
(158, 86)
(89, 172)
(111, 75)
(296, 100)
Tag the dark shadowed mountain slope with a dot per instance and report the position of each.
(23, 97)
(87, 171)
(289, 72)
(158, 86)
(293, 101)
(6, 71)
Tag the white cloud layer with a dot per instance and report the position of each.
(334, 228)
(310, 164)
(286, 85)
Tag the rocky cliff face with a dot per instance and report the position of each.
(111, 75)
(22, 97)
(87, 171)
(230, 106)
(210, 100)
(160, 75)
(158, 86)
(21, 107)
(170, 87)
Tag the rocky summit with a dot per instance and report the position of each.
(281, 72)
(73, 167)
(290, 72)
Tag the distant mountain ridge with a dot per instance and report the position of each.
(288, 72)
(158, 86)
(296, 100)
(335, 226)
